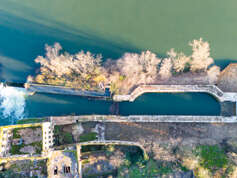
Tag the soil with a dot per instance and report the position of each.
(227, 79)
(31, 135)
(171, 135)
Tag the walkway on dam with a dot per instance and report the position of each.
(40, 88)
(210, 89)
(62, 120)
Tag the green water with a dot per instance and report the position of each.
(147, 104)
(111, 28)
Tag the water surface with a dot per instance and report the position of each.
(113, 28)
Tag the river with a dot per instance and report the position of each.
(113, 28)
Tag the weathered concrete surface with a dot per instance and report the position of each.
(64, 90)
(210, 89)
(142, 118)
(115, 142)
(228, 108)
(227, 79)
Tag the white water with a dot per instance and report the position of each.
(12, 102)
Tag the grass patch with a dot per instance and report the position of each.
(15, 149)
(182, 167)
(88, 137)
(163, 169)
(67, 137)
(133, 154)
(62, 137)
(37, 146)
(72, 151)
(15, 133)
(30, 121)
(9, 173)
(85, 161)
(143, 169)
(211, 157)
(92, 148)
(104, 174)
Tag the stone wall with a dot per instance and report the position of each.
(210, 89)
(63, 120)
(64, 90)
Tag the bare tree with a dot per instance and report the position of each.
(180, 60)
(137, 68)
(79, 69)
(201, 56)
(166, 69)
(84, 70)
(213, 74)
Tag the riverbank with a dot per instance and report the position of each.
(225, 90)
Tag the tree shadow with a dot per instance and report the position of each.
(224, 62)
(23, 40)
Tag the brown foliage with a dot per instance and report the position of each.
(85, 71)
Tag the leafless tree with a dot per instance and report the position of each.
(166, 69)
(200, 59)
(180, 60)
(213, 74)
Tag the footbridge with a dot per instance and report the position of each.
(210, 89)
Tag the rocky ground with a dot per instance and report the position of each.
(177, 142)
(24, 168)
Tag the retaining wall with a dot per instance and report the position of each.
(40, 88)
(210, 89)
(142, 118)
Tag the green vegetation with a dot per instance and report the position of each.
(144, 168)
(104, 174)
(212, 162)
(38, 147)
(72, 151)
(67, 138)
(92, 148)
(136, 166)
(62, 137)
(109, 150)
(25, 166)
(211, 157)
(15, 149)
(15, 133)
(85, 161)
(88, 137)
(10, 173)
(31, 120)
(182, 167)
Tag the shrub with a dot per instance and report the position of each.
(29, 121)
(88, 137)
(15, 133)
(211, 157)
